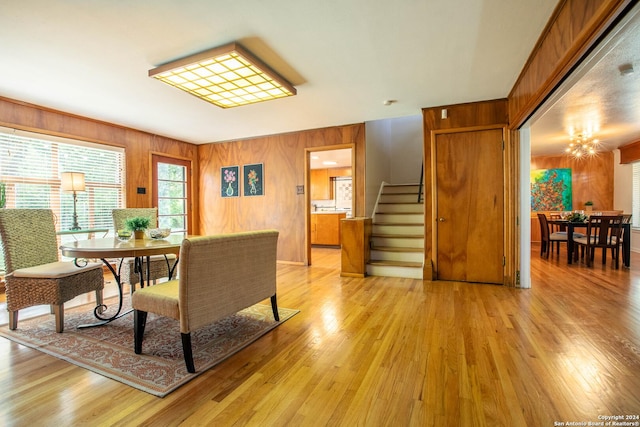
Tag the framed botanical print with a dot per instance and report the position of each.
(253, 180)
(229, 181)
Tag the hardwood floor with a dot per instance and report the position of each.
(385, 351)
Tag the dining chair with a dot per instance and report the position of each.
(159, 265)
(34, 273)
(548, 238)
(603, 232)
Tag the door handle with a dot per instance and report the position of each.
(441, 219)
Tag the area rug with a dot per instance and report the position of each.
(108, 350)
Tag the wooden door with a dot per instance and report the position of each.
(469, 206)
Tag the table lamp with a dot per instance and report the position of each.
(73, 181)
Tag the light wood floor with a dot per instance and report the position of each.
(384, 352)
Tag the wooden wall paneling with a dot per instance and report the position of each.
(281, 207)
(574, 27)
(630, 153)
(138, 145)
(591, 178)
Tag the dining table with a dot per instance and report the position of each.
(571, 226)
(109, 248)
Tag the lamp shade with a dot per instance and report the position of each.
(72, 181)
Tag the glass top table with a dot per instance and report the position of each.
(108, 248)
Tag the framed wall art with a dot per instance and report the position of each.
(229, 181)
(551, 190)
(253, 180)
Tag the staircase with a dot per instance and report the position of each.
(397, 235)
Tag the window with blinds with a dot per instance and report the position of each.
(31, 165)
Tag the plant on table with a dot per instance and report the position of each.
(138, 224)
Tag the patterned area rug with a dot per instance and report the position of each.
(160, 369)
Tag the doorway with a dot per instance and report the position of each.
(330, 181)
(172, 192)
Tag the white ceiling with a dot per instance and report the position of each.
(596, 96)
(345, 57)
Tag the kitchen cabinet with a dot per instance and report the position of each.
(320, 188)
(325, 228)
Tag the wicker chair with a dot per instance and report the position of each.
(35, 276)
(220, 276)
(159, 265)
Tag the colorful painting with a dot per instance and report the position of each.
(253, 180)
(229, 181)
(551, 190)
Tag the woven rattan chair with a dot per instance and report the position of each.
(220, 275)
(159, 265)
(35, 276)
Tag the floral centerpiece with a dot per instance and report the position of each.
(576, 217)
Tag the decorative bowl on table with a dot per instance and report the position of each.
(159, 233)
(123, 234)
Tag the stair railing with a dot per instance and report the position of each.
(421, 183)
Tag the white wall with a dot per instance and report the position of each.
(406, 141)
(393, 154)
(377, 158)
(623, 194)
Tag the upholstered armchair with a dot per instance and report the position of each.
(34, 273)
(159, 265)
(219, 276)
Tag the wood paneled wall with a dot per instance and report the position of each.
(138, 145)
(630, 153)
(575, 26)
(283, 157)
(591, 178)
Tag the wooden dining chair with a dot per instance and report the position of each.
(603, 232)
(548, 238)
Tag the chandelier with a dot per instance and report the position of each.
(582, 145)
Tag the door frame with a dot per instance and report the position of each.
(162, 158)
(507, 159)
(307, 185)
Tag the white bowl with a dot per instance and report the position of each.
(159, 233)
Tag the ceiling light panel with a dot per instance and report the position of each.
(227, 76)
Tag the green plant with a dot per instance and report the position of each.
(576, 217)
(137, 223)
(3, 194)
(588, 203)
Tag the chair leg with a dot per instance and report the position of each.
(13, 320)
(58, 311)
(188, 354)
(139, 322)
(274, 308)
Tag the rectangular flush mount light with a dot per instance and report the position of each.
(227, 76)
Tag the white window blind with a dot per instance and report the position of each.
(635, 219)
(30, 167)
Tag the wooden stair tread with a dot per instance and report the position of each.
(395, 263)
(396, 249)
(400, 213)
(403, 224)
(398, 236)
